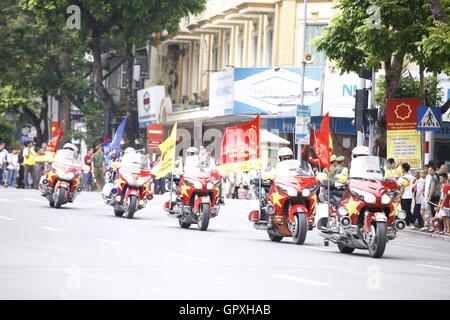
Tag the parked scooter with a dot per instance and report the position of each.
(288, 203)
(362, 210)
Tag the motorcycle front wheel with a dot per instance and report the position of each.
(61, 197)
(203, 218)
(378, 241)
(273, 237)
(184, 225)
(301, 228)
(132, 207)
(345, 249)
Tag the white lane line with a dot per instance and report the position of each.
(433, 267)
(34, 200)
(315, 248)
(189, 258)
(7, 200)
(51, 229)
(7, 218)
(109, 241)
(316, 283)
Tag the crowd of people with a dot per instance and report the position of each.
(426, 200)
(21, 167)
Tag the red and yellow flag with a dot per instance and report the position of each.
(240, 149)
(323, 143)
(57, 135)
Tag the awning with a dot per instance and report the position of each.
(268, 137)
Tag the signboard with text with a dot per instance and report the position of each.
(401, 113)
(302, 122)
(405, 146)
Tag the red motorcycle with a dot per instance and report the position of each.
(363, 211)
(289, 208)
(130, 191)
(60, 184)
(195, 200)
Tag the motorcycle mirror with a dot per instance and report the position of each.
(115, 164)
(341, 178)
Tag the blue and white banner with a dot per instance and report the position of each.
(275, 91)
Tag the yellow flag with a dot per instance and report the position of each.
(167, 161)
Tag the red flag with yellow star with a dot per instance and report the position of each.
(57, 135)
(323, 144)
(240, 149)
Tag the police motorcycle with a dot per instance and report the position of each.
(127, 189)
(60, 182)
(193, 196)
(288, 202)
(363, 211)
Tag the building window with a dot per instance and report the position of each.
(255, 51)
(312, 31)
(241, 52)
(226, 58)
(269, 49)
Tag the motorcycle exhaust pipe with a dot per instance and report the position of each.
(345, 222)
(399, 225)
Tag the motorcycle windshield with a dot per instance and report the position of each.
(65, 156)
(293, 168)
(195, 169)
(135, 161)
(367, 167)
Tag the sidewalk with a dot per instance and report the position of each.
(427, 234)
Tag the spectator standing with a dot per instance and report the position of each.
(432, 193)
(444, 203)
(13, 167)
(407, 195)
(20, 176)
(98, 166)
(3, 161)
(40, 158)
(241, 192)
(87, 177)
(419, 211)
(29, 162)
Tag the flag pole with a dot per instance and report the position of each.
(260, 164)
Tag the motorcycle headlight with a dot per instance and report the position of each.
(401, 214)
(386, 199)
(291, 192)
(194, 183)
(211, 185)
(363, 195)
(307, 192)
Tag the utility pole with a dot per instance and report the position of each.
(372, 115)
(303, 63)
(360, 139)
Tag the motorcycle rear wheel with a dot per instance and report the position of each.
(273, 237)
(378, 243)
(345, 249)
(203, 218)
(61, 197)
(132, 207)
(301, 228)
(184, 225)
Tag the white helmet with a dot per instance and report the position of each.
(129, 150)
(192, 151)
(71, 147)
(285, 152)
(360, 151)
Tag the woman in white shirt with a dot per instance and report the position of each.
(419, 207)
(407, 196)
(13, 167)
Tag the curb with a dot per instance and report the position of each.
(427, 234)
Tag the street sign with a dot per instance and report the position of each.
(302, 122)
(153, 143)
(155, 131)
(401, 113)
(429, 119)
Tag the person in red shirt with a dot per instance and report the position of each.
(444, 203)
(87, 178)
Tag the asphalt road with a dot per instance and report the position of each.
(83, 251)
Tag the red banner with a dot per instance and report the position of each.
(240, 147)
(56, 138)
(323, 144)
(401, 113)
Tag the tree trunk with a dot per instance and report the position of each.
(393, 69)
(65, 103)
(43, 117)
(422, 84)
(100, 90)
(131, 131)
(438, 11)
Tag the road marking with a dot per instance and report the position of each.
(315, 248)
(433, 267)
(7, 200)
(109, 241)
(316, 283)
(189, 258)
(34, 200)
(51, 229)
(7, 218)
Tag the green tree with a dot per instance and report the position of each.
(354, 42)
